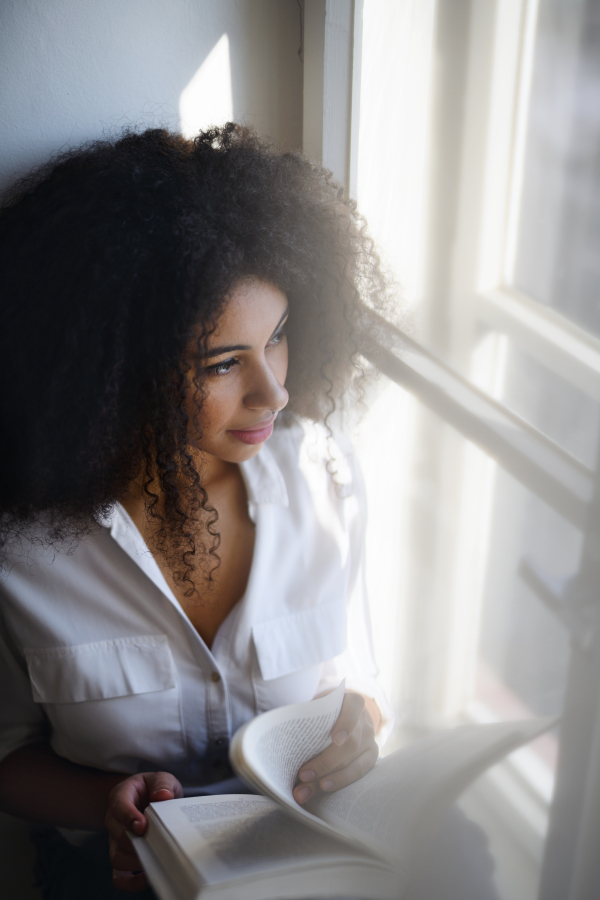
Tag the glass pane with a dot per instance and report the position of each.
(521, 641)
(556, 259)
(523, 651)
(549, 403)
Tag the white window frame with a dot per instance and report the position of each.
(500, 41)
(502, 32)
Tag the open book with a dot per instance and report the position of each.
(356, 842)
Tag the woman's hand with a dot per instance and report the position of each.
(351, 755)
(126, 803)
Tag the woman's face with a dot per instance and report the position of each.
(245, 367)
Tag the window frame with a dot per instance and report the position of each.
(469, 289)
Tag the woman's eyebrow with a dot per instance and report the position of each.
(217, 351)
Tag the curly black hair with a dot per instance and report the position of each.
(111, 255)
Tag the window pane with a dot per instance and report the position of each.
(549, 403)
(523, 646)
(522, 641)
(523, 653)
(556, 259)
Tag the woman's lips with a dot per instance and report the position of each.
(255, 435)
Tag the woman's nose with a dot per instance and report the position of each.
(267, 391)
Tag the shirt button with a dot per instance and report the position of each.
(220, 741)
(214, 676)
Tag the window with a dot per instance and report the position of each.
(472, 133)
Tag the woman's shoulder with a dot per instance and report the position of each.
(40, 547)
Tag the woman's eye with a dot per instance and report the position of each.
(278, 337)
(222, 368)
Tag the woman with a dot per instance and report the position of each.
(182, 547)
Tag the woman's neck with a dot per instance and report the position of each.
(213, 596)
(215, 474)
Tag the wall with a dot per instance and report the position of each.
(73, 70)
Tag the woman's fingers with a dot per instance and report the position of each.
(350, 756)
(350, 773)
(162, 786)
(350, 713)
(130, 797)
(340, 773)
(303, 792)
(126, 803)
(358, 740)
(124, 859)
(119, 843)
(127, 800)
(336, 757)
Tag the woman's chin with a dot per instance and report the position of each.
(233, 452)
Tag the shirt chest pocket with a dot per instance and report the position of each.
(112, 704)
(291, 650)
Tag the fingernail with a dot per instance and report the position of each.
(307, 775)
(302, 794)
(326, 785)
(137, 827)
(340, 737)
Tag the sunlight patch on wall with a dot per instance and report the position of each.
(207, 100)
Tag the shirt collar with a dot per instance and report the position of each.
(127, 536)
(264, 483)
(264, 480)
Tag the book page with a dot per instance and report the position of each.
(390, 806)
(268, 752)
(238, 835)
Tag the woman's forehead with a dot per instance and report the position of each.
(252, 304)
(252, 311)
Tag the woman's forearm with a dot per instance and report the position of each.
(39, 786)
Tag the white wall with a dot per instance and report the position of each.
(71, 70)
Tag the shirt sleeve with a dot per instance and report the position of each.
(357, 663)
(22, 721)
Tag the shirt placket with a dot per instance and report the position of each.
(213, 764)
(216, 766)
(264, 484)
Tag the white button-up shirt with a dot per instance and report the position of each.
(97, 655)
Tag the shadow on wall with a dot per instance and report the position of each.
(76, 72)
